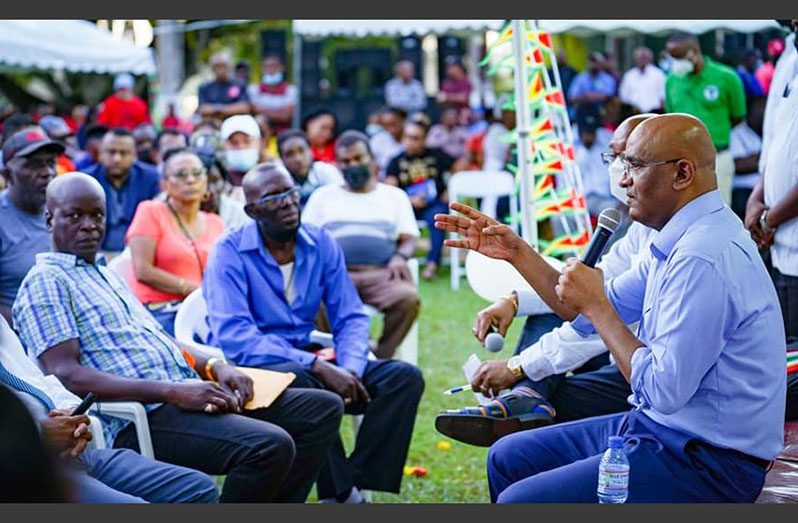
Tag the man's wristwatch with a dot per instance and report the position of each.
(513, 299)
(514, 366)
(763, 220)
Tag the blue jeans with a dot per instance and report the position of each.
(124, 476)
(559, 464)
(436, 235)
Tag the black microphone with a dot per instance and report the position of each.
(608, 221)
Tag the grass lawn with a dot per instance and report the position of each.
(456, 475)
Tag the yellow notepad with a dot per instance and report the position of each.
(266, 386)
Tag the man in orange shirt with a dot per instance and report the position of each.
(123, 108)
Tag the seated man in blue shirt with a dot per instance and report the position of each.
(264, 285)
(126, 181)
(706, 368)
(85, 326)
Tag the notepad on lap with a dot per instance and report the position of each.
(266, 386)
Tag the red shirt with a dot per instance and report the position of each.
(124, 113)
(325, 154)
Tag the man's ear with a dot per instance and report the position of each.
(684, 175)
(250, 210)
(48, 220)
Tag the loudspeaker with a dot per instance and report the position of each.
(272, 42)
(311, 68)
(449, 47)
(410, 49)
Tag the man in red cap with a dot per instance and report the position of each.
(29, 159)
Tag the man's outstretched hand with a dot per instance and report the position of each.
(480, 233)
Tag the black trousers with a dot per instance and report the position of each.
(787, 290)
(381, 446)
(271, 454)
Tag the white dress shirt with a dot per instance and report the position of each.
(14, 358)
(643, 89)
(563, 349)
(779, 158)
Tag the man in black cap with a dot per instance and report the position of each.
(29, 158)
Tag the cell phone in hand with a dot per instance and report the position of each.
(87, 402)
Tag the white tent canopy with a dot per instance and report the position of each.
(582, 28)
(323, 28)
(69, 45)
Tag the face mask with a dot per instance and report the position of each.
(373, 128)
(272, 78)
(241, 160)
(616, 173)
(681, 67)
(356, 176)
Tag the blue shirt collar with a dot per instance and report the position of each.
(66, 260)
(663, 241)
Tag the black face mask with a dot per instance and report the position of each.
(357, 176)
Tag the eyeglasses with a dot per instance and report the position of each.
(632, 164)
(183, 174)
(608, 157)
(272, 201)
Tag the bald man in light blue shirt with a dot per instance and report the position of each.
(707, 366)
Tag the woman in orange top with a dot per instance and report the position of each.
(170, 240)
(321, 128)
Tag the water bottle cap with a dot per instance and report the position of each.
(616, 442)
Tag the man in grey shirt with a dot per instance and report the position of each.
(29, 165)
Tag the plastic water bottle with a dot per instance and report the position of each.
(613, 476)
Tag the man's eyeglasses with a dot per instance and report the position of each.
(632, 164)
(608, 157)
(183, 174)
(272, 201)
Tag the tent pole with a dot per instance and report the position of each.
(529, 230)
(297, 79)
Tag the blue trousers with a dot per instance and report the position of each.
(436, 235)
(124, 476)
(559, 464)
(166, 319)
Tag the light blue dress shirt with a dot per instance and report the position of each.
(249, 316)
(713, 361)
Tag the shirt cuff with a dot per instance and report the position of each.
(583, 326)
(535, 364)
(530, 304)
(641, 359)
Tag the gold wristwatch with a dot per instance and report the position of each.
(514, 365)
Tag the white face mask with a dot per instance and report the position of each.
(682, 67)
(616, 174)
(272, 78)
(241, 160)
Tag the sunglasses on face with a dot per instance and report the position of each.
(272, 201)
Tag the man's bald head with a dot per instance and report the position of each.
(676, 135)
(76, 215)
(273, 201)
(624, 129)
(257, 181)
(670, 161)
(69, 186)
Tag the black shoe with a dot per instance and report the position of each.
(521, 409)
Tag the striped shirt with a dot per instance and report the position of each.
(63, 298)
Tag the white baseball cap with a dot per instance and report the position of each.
(124, 81)
(240, 123)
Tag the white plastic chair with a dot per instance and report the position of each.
(408, 349)
(122, 264)
(489, 186)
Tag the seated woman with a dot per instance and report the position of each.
(321, 127)
(170, 240)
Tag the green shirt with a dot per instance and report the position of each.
(714, 96)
